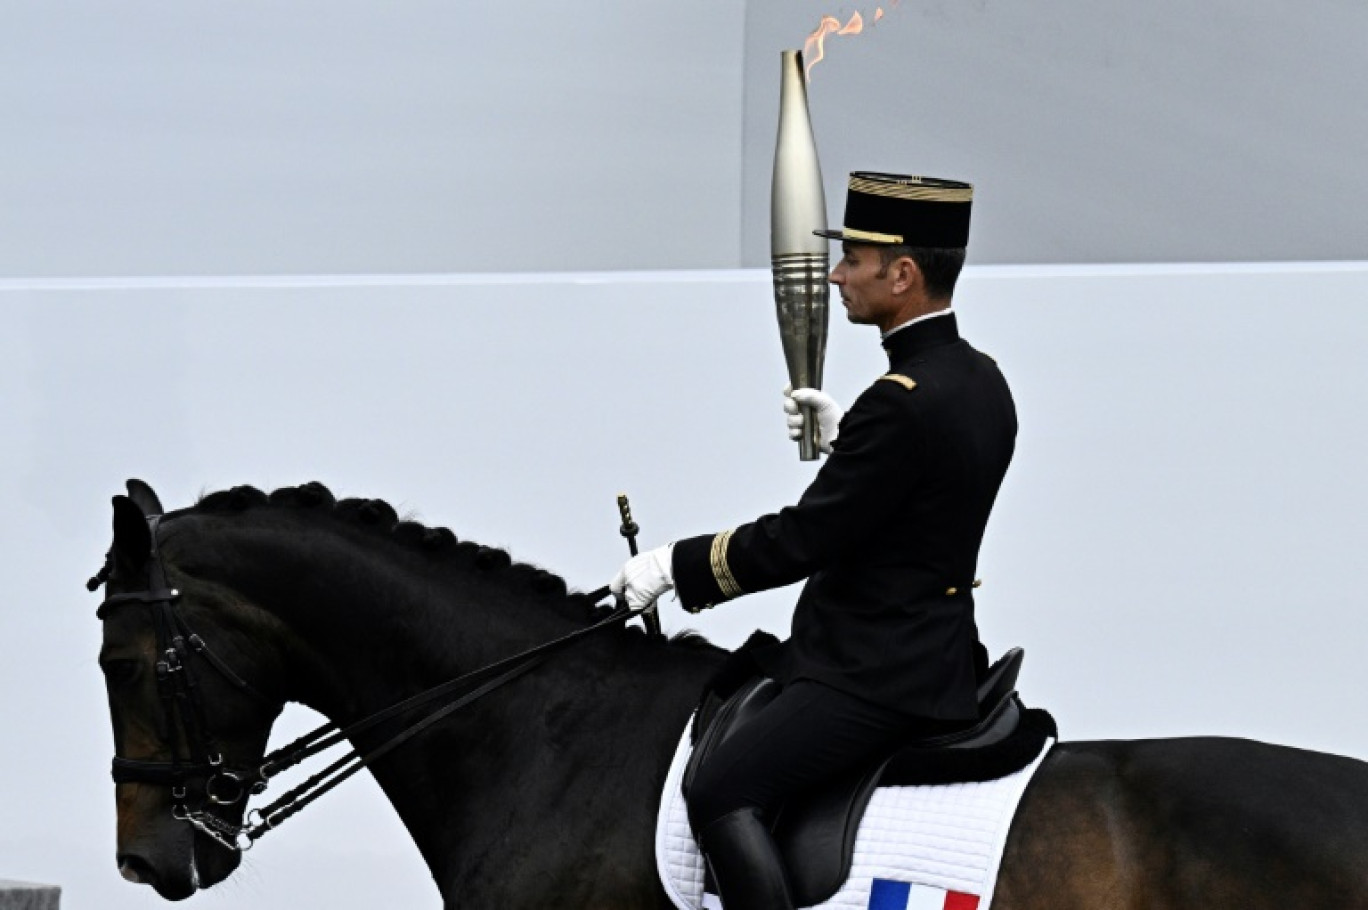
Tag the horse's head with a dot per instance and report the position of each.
(185, 668)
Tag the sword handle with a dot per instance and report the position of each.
(629, 528)
(649, 616)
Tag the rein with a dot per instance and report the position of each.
(224, 786)
(485, 680)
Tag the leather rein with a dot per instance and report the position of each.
(219, 784)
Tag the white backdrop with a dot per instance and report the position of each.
(1178, 545)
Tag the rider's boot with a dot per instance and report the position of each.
(745, 862)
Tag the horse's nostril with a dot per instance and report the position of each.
(135, 869)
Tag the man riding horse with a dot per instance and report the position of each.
(883, 642)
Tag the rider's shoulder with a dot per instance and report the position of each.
(908, 388)
(895, 392)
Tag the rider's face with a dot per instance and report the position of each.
(865, 285)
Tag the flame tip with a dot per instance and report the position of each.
(814, 48)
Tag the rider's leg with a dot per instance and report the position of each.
(807, 734)
(744, 862)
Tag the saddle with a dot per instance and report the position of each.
(815, 831)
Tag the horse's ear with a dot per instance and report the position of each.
(132, 537)
(143, 496)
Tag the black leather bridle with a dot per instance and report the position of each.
(220, 784)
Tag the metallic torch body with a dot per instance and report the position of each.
(798, 258)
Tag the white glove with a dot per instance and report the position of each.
(645, 577)
(827, 411)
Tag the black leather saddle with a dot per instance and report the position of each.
(815, 831)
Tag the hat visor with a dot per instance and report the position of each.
(860, 237)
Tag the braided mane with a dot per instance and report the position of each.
(381, 519)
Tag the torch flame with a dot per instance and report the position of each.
(814, 48)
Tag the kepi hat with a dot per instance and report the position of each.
(914, 211)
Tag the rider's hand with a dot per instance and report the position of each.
(645, 577)
(827, 411)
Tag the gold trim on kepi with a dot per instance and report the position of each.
(908, 211)
(721, 570)
(927, 188)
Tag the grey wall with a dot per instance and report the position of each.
(28, 896)
(196, 137)
(155, 137)
(1111, 131)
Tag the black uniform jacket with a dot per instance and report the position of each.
(887, 534)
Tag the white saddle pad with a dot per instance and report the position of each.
(934, 847)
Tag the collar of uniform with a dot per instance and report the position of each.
(918, 336)
(916, 319)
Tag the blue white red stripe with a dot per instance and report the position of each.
(886, 894)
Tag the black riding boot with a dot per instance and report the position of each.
(745, 863)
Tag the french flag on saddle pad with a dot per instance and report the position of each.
(890, 895)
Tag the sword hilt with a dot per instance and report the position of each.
(629, 528)
(649, 616)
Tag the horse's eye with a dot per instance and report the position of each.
(121, 672)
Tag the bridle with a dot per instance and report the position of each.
(179, 649)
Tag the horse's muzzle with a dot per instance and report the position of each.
(173, 887)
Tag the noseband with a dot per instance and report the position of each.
(179, 649)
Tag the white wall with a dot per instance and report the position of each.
(1178, 544)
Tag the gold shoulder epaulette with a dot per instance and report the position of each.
(907, 382)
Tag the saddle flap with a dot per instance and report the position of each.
(816, 833)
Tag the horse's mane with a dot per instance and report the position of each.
(380, 518)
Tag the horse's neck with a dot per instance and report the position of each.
(555, 775)
(367, 625)
(551, 784)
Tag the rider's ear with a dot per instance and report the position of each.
(907, 275)
(132, 538)
(145, 498)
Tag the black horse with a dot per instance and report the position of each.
(543, 792)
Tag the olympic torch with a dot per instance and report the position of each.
(798, 258)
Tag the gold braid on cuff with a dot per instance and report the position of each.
(721, 571)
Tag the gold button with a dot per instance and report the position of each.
(978, 582)
(951, 592)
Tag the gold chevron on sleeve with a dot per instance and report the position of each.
(721, 570)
